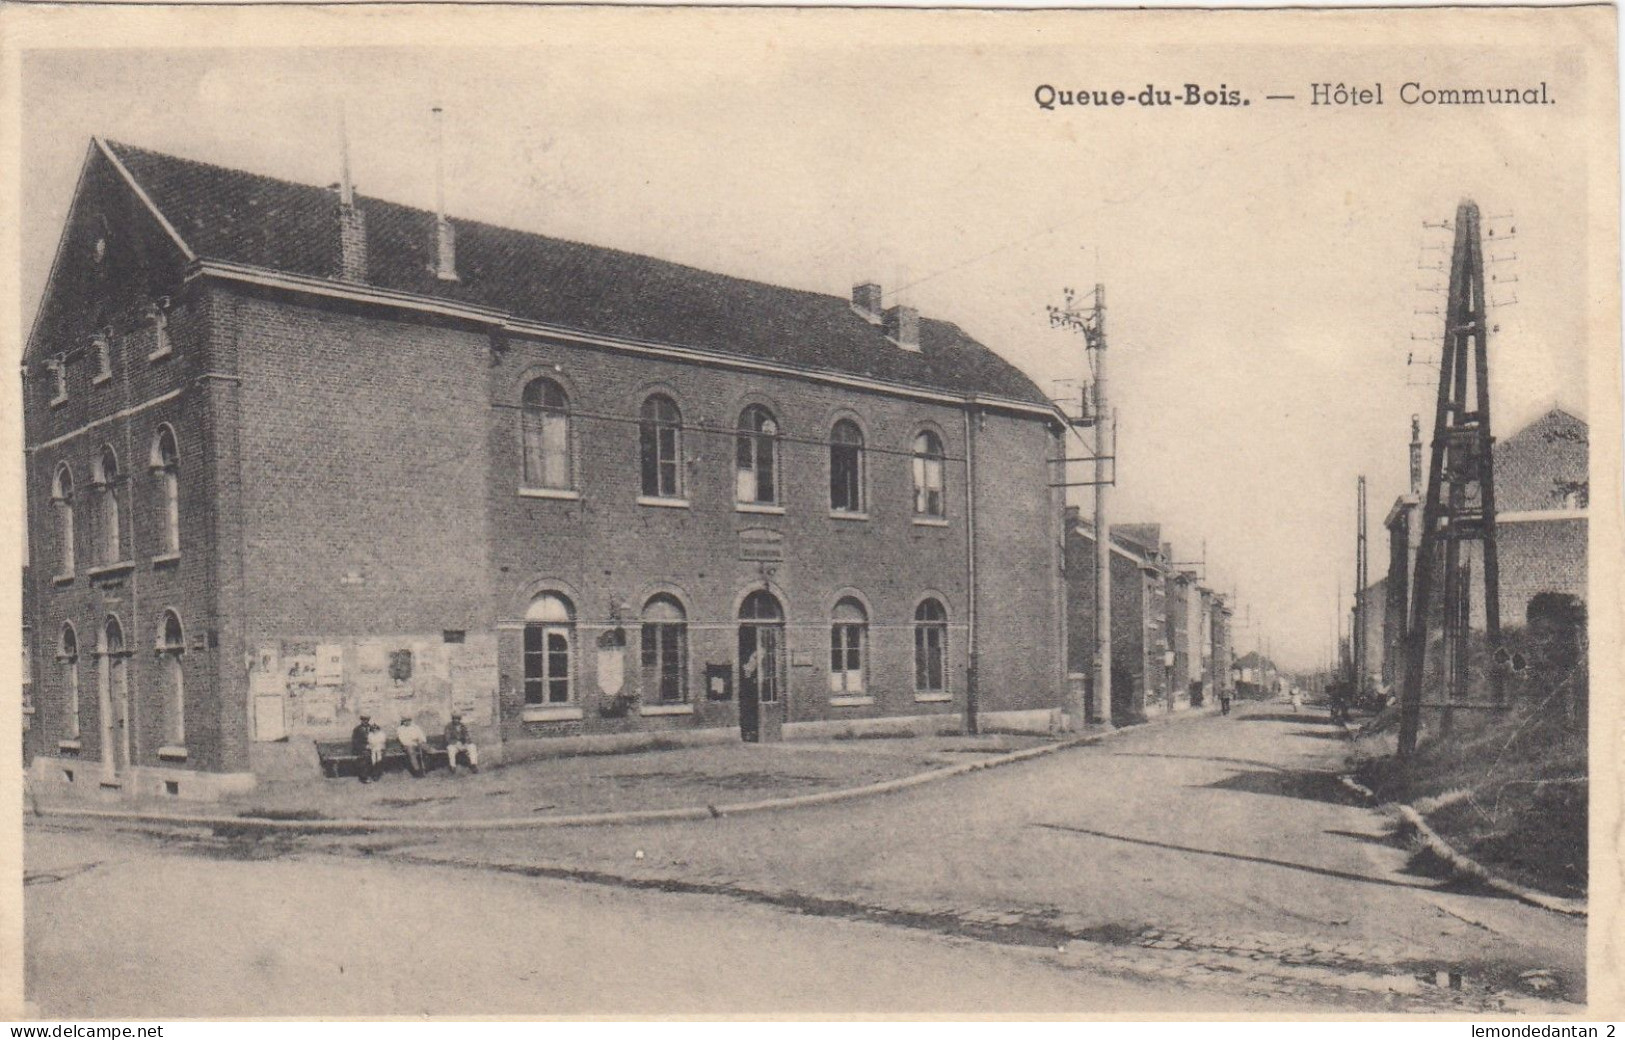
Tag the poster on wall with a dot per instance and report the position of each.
(329, 664)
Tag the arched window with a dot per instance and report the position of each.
(171, 644)
(757, 455)
(549, 645)
(848, 647)
(660, 440)
(115, 697)
(165, 464)
(545, 429)
(67, 655)
(665, 650)
(930, 647)
(846, 467)
(62, 504)
(110, 544)
(928, 498)
(761, 647)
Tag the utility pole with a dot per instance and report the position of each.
(1361, 575)
(1460, 501)
(1091, 324)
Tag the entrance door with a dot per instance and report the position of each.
(761, 667)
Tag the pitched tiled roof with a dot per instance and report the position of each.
(246, 218)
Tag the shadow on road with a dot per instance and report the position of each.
(1196, 758)
(1221, 854)
(1307, 718)
(1309, 784)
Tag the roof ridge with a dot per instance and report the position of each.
(123, 146)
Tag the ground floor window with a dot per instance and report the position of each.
(549, 643)
(930, 647)
(171, 643)
(848, 638)
(665, 650)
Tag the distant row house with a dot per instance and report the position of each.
(1171, 634)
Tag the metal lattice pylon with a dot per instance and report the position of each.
(1460, 503)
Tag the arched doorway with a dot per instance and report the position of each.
(761, 667)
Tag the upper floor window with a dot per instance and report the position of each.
(757, 454)
(665, 650)
(109, 536)
(165, 462)
(62, 503)
(928, 498)
(545, 426)
(660, 443)
(848, 646)
(846, 467)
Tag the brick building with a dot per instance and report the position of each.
(1542, 495)
(294, 455)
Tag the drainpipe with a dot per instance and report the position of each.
(972, 691)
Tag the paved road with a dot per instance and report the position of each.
(1198, 864)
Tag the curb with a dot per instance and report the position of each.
(705, 812)
(1409, 820)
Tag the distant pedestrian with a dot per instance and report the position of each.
(361, 747)
(413, 742)
(1225, 694)
(458, 742)
(1297, 699)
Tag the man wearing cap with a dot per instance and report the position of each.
(413, 740)
(361, 747)
(457, 741)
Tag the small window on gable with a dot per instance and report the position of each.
(101, 350)
(159, 314)
(57, 370)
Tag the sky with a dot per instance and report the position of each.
(1261, 262)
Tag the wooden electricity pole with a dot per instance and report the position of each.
(1460, 502)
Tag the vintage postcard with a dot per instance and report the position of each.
(786, 512)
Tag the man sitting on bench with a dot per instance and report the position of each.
(415, 742)
(457, 741)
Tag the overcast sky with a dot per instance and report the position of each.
(1261, 262)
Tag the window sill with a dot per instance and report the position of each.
(62, 579)
(552, 713)
(666, 503)
(159, 355)
(99, 379)
(758, 507)
(57, 402)
(850, 702)
(566, 494)
(933, 698)
(172, 753)
(107, 570)
(930, 521)
(69, 745)
(666, 709)
(839, 514)
(166, 559)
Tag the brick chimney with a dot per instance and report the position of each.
(352, 222)
(866, 301)
(445, 236)
(903, 327)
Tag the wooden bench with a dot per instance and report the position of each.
(337, 759)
